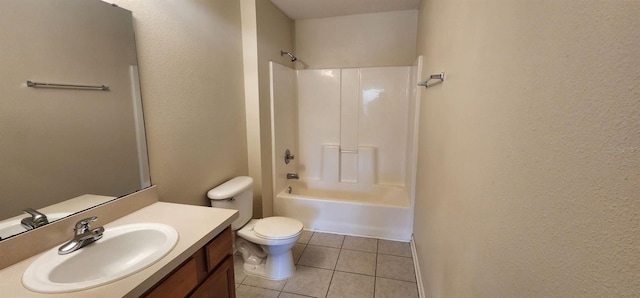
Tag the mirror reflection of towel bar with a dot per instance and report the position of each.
(439, 76)
(66, 86)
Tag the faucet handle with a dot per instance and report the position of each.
(288, 156)
(37, 216)
(37, 219)
(84, 224)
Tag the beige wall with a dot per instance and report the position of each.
(529, 158)
(190, 57)
(273, 32)
(252, 99)
(58, 144)
(365, 40)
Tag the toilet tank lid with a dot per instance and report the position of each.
(230, 188)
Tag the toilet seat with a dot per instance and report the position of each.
(277, 228)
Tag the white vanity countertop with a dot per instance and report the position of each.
(196, 225)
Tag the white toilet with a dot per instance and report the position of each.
(265, 244)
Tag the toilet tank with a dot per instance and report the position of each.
(237, 194)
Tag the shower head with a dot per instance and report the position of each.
(293, 58)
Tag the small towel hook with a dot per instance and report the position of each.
(439, 76)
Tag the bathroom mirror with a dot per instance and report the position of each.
(68, 148)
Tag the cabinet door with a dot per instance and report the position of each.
(219, 248)
(220, 283)
(179, 283)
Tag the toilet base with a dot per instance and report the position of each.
(278, 267)
(266, 258)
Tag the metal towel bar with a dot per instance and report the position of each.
(66, 86)
(439, 76)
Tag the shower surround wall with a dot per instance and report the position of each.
(353, 148)
(353, 127)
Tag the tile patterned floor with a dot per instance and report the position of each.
(332, 266)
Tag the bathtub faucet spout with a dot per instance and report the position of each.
(292, 176)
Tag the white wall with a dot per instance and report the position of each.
(376, 39)
(529, 155)
(192, 90)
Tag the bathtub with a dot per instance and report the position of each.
(383, 212)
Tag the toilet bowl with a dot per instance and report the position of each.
(276, 244)
(265, 244)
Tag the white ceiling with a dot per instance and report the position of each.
(307, 9)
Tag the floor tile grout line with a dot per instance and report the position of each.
(395, 255)
(297, 294)
(293, 294)
(333, 273)
(359, 273)
(349, 249)
(414, 276)
(377, 246)
(335, 268)
(325, 246)
(307, 240)
(375, 272)
(325, 233)
(356, 273)
(318, 267)
(303, 250)
(396, 279)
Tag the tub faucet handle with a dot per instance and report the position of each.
(288, 156)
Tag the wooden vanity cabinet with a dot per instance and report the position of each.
(207, 273)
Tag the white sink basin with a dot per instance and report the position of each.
(122, 251)
(13, 227)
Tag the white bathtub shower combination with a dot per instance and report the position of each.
(352, 132)
(376, 213)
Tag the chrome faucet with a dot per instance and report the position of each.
(37, 219)
(83, 236)
(292, 176)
